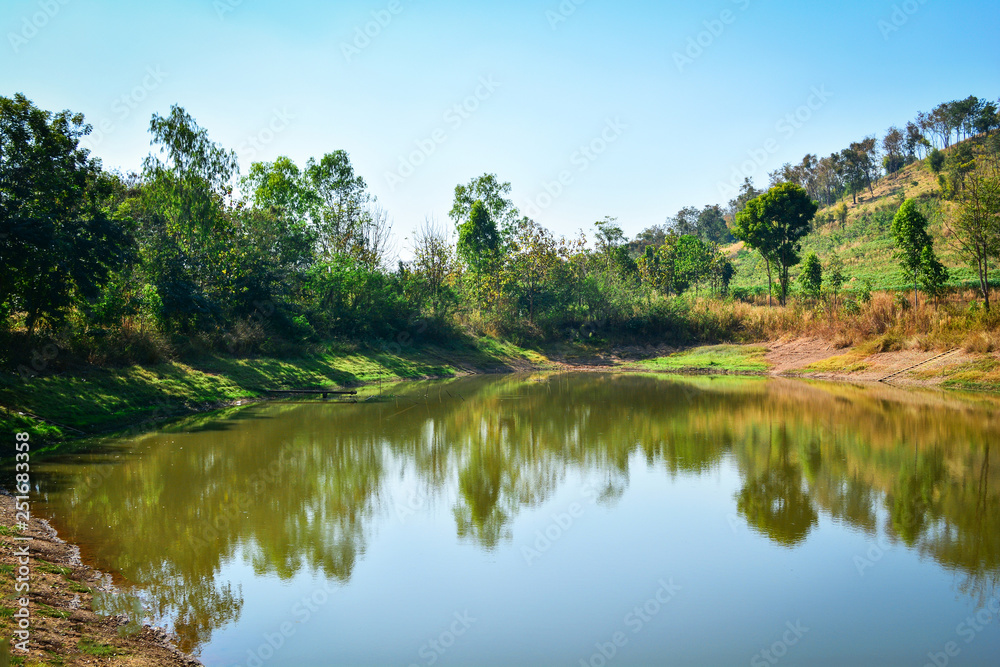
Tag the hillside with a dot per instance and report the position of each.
(864, 242)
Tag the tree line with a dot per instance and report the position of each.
(188, 248)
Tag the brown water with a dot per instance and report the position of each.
(574, 519)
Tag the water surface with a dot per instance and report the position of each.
(558, 520)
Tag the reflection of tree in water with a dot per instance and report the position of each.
(772, 500)
(911, 500)
(478, 514)
(287, 493)
(966, 535)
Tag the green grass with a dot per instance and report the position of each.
(77, 587)
(46, 610)
(843, 363)
(721, 358)
(980, 375)
(45, 566)
(864, 242)
(90, 647)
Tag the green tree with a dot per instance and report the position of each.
(841, 212)
(774, 224)
(976, 228)
(811, 277)
(837, 277)
(933, 274)
(281, 186)
(712, 225)
(495, 197)
(345, 215)
(186, 231)
(909, 231)
(433, 262)
(58, 244)
(532, 261)
(936, 161)
(609, 240)
(694, 260)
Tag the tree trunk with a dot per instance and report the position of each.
(769, 300)
(914, 289)
(986, 284)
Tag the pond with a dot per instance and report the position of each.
(557, 519)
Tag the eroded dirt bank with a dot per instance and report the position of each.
(64, 630)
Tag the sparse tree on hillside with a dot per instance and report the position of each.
(915, 141)
(893, 145)
(835, 269)
(976, 228)
(841, 213)
(909, 231)
(746, 194)
(774, 224)
(935, 160)
(811, 277)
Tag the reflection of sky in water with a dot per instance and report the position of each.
(547, 509)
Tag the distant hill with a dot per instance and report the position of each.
(864, 242)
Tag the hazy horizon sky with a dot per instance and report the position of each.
(638, 108)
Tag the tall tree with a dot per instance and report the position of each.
(346, 216)
(747, 192)
(685, 221)
(909, 231)
(495, 197)
(534, 256)
(188, 240)
(774, 224)
(434, 265)
(976, 228)
(811, 277)
(893, 147)
(57, 243)
(712, 225)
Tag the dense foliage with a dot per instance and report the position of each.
(188, 255)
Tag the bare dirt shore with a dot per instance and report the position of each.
(64, 630)
(816, 358)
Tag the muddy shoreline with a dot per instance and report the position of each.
(64, 628)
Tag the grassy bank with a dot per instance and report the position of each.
(878, 337)
(90, 400)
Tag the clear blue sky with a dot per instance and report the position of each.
(673, 130)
